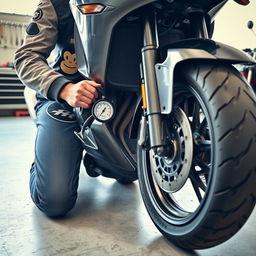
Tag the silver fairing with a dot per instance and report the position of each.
(93, 33)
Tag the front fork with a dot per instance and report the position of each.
(156, 122)
(158, 132)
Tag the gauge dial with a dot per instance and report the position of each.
(103, 110)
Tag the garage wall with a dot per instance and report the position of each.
(231, 25)
(12, 31)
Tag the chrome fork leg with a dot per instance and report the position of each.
(149, 50)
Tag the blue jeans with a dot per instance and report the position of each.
(58, 153)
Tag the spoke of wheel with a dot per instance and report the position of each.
(186, 107)
(197, 191)
(196, 119)
(205, 146)
(203, 127)
(194, 176)
(204, 174)
(197, 183)
(205, 169)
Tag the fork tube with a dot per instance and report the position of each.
(199, 25)
(251, 69)
(149, 60)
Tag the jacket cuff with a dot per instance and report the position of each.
(55, 88)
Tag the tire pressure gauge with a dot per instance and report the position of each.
(103, 110)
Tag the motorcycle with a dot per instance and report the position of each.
(174, 113)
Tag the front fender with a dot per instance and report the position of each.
(192, 49)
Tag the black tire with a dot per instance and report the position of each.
(221, 174)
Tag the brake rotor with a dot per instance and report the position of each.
(171, 173)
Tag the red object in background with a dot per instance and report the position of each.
(21, 113)
(4, 65)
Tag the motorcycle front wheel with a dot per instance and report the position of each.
(204, 192)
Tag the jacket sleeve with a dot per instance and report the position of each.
(30, 60)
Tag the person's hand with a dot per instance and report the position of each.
(81, 94)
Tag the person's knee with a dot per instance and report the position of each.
(56, 205)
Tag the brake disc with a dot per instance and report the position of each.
(171, 173)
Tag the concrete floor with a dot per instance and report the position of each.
(109, 219)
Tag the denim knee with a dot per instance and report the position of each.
(55, 205)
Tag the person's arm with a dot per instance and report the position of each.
(30, 60)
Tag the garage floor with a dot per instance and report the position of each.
(109, 219)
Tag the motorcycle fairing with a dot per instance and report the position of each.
(192, 49)
(119, 163)
(93, 32)
(93, 47)
(109, 141)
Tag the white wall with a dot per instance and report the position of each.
(230, 22)
(231, 25)
(26, 7)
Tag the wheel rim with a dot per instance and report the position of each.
(191, 164)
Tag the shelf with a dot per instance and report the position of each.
(11, 90)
